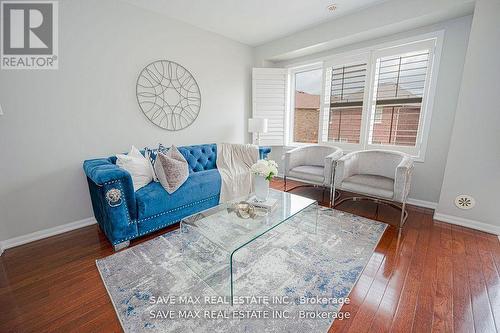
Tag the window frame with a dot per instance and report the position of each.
(433, 41)
(292, 71)
(417, 151)
(345, 60)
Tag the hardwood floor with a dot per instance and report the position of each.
(436, 277)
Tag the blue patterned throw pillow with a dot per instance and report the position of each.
(162, 149)
(151, 155)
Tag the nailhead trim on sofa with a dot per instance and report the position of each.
(160, 214)
(175, 209)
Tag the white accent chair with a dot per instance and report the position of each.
(313, 164)
(381, 176)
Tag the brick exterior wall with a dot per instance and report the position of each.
(345, 125)
(404, 126)
(306, 125)
(394, 125)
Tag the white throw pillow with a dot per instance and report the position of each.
(138, 167)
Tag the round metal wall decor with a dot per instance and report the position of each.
(168, 95)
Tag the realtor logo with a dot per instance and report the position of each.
(29, 35)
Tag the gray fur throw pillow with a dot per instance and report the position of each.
(171, 169)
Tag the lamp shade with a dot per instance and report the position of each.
(257, 125)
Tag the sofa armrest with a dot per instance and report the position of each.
(402, 179)
(113, 199)
(102, 171)
(346, 167)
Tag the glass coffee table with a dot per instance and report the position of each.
(212, 237)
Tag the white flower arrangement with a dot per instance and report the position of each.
(265, 168)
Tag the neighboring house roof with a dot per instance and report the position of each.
(385, 90)
(304, 100)
(389, 90)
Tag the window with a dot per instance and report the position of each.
(377, 98)
(346, 102)
(306, 105)
(399, 88)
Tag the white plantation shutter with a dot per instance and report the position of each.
(400, 85)
(269, 100)
(347, 92)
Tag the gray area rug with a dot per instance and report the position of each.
(290, 279)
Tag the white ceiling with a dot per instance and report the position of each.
(253, 22)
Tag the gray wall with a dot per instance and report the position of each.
(56, 119)
(428, 175)
(473, 165)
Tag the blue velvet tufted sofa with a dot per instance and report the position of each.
(123, 214)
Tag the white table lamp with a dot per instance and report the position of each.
(257, 126)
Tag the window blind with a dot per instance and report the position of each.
(401, 79)
(346, 102)
(348, 85)
(400, 82)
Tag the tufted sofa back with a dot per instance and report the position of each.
(199, 157)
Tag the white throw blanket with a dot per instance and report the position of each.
(234, 162)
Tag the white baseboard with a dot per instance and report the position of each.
(492, 229)
(37, 235)
(422, 203)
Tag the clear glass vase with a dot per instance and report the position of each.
(261, 188)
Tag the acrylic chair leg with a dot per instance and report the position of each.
(330, 196)
(398, 243)
(401, 221)
(332, 183)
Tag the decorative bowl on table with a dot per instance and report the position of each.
(246, 210)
